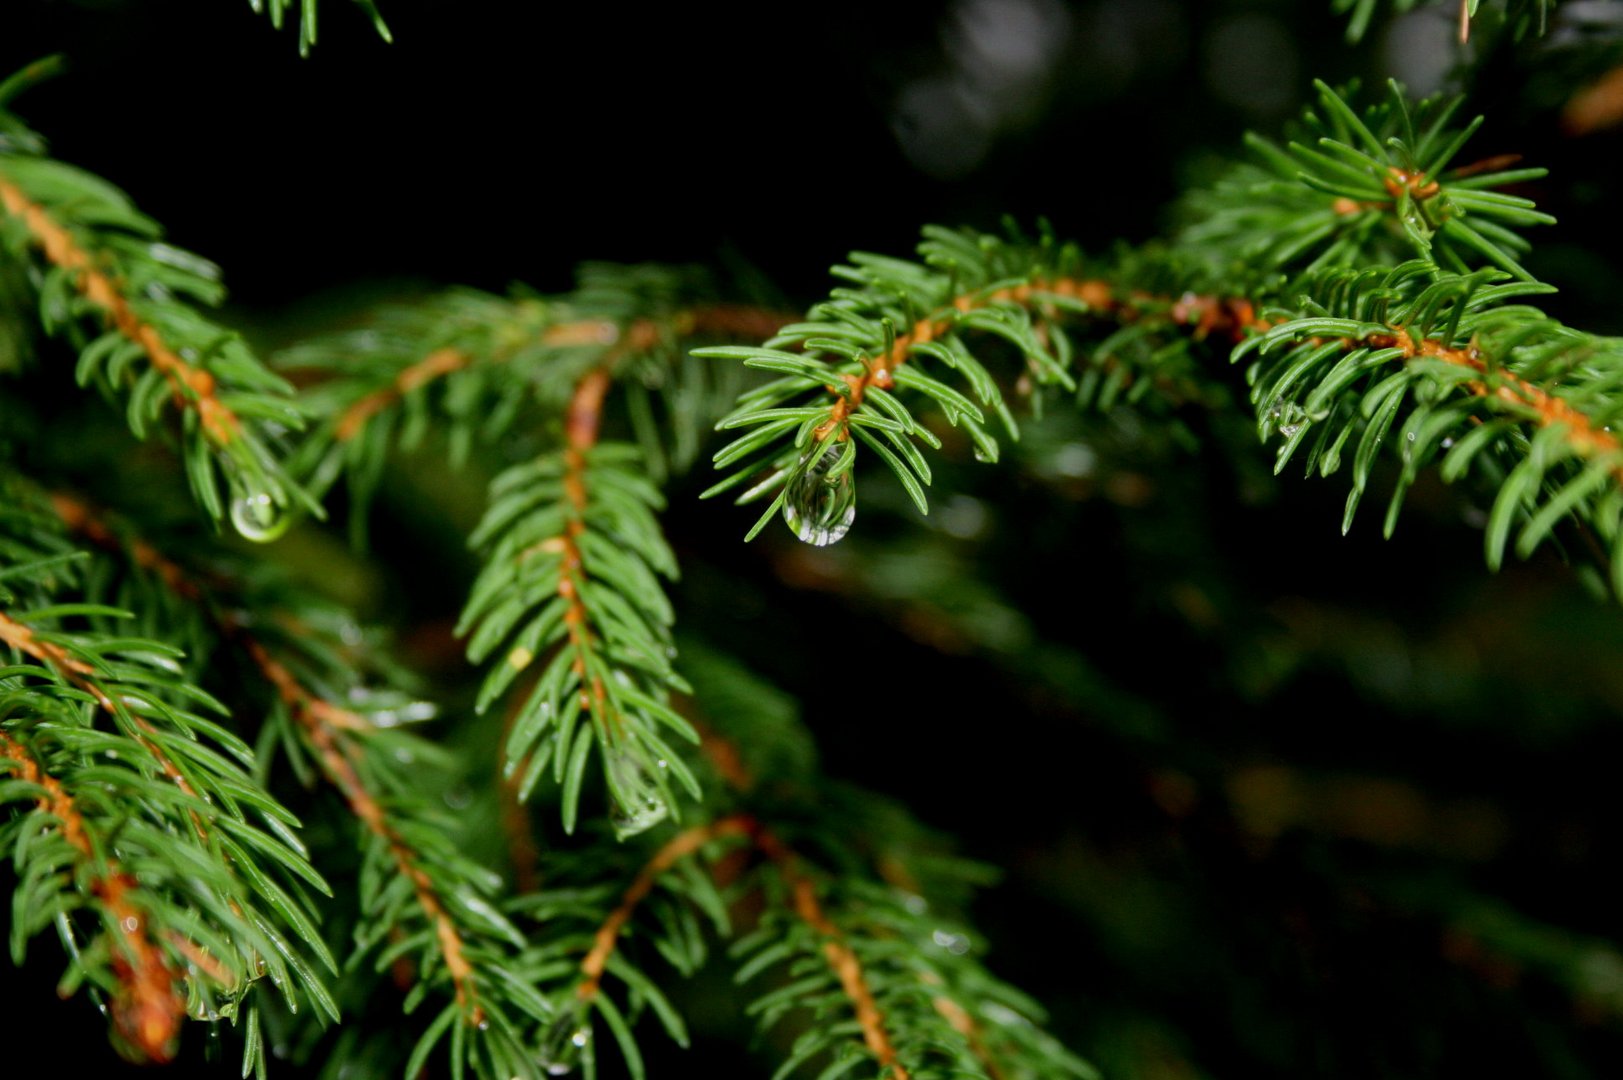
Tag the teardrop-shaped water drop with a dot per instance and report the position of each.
(820, 507)
(637, 800)
(563, 1042)
(256, 515)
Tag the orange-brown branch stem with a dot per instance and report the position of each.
(733, 320)
(148, 1007)
(192, 386)
(324, 723)
(1233, 317)
(964, 1024)
(581, 422)
(680, 847)
(81, 675)
(1583, 434)
(1206, 315)
(841, 958)
(803, 897)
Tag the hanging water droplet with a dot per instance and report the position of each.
(820, 508)
(563, 1042)
(636, 797)
(257, 517)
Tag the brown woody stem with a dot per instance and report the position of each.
(193, 387)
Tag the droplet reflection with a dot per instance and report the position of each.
(820, 507)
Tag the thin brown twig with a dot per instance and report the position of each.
(679, 847)
(1587, 438)
(321, 720)
(192, 386)
(1233, 317)
(725, 756)
(729, 319)
(80, 674)
(803, 897)
(148, 1007)
(1206, 315)
(841, 958)
(325, 723)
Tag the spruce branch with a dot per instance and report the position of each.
(1478, 382)
(572, 553)
(129, 299)
(1358, 188)
(147, 1006)
(221, 889)
(215, 849)
(325, 725)
(919, 1003)
(841, 958)
(422, 900)
(989, 1027)
(685, 843)
(473, 367)
(867, 347)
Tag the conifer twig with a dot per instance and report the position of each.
(847, 968)
(149, 1007)
(323, 722)
(78, 673)
(1204, 314)
(685, 843)
(192, 385)
(1586, 437)
(729, 319)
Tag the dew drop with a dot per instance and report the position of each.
(563, 1042)
(637, 798)
(820, 508)
(1287, 417)
(257, 517)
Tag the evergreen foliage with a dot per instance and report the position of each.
(215, 794)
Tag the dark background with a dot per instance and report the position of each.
(1270, 802)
